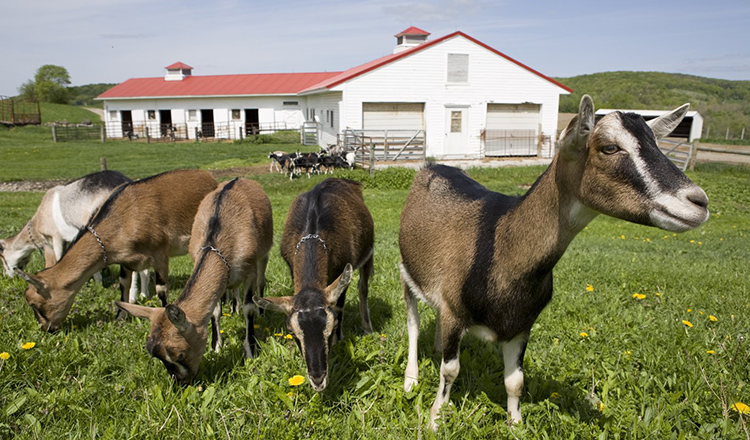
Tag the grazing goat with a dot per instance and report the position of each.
(484, 260)
(140, 225)
(232, 234)
(61, 215)
(328, 233)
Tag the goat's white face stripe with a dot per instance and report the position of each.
(629, 143)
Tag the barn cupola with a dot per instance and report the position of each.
(178, 71)
(409, 38)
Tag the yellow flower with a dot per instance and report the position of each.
(278, 334)
(601, 406)
(741, 408)
(555, 395)
(639, 296)
(288, 336)
(623, 237)
(296, 380)
(28, 345)
(584, 334)
(628, 353)
(687, 323)
(713, 318)
(256, 326)
(225, 314)
(710, 351)
(4, 355)
(382, 335)
(290, 394)
(658, 294)
(221, 332)
(589, 287)
(700, 312)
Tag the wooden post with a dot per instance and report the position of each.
(148, 136)
(742, 136)
(103, 134)
(372, 158)
(103, 163)
(196, 135)
(54, 133)
(727, 135)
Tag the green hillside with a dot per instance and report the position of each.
(724, 104)
(71, 113)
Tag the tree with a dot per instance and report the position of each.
(27, 90)
(51, 84)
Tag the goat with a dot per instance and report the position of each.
(306, 161)
(231, 237)
(328, 233)
(280, 160)
(484, 260)
(140, 225)
(61, 215)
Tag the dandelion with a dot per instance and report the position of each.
(382, 336)
(687, 323)
(296, 380)
(28, 345)
(700, 312)
(221, 332)
(713, 318)
(639, 296)
(690, 310)
(622, 236)
(278, 335)
(288, 337)
(657, 294)
(628, 352)
(710, 351)
(225, 314)
(584, 334)
(5, 355)
(555, 395)
(601, 406)
(256, 326)
(589, 288)
(741, 408)
(290, 394)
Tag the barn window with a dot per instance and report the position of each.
(329, 117)
(236, 113)
(456, 121)
(458, 68)
(152, 115)
(192, 115)
(290, 103)
(113, 115)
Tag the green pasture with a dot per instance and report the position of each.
(646, 336)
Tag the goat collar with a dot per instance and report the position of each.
(310, 237)
(31, 237)
(104, 251)
(213, 249)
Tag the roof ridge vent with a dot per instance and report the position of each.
(178, 71)
(408, 38)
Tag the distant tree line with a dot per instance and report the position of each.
(52, 84)
(724, 104)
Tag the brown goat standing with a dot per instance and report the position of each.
(328, 232)
(140, 225)
(484, 260)
(232, 234)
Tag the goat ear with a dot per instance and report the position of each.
(573, 139)
(665, 124)
(281, 304)
(177, 317)
(33, 280)
(339, 286)
(137, 310)
(2, 246)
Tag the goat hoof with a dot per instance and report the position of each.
(409, 383)
(121, 315)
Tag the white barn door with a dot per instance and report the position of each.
(456, 133)
(512, 129)
(392, 116)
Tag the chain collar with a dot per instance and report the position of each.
(213, 249)
(310, 237)
(104, 251)
(31, 237)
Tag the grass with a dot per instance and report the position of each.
(72, 114)
(639, 371)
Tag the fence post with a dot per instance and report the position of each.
(196, 134)
(372, 158)
(148, 136)
(54, 133)
(102, 134)
(103, 163)
(727, 135)
(742, 136)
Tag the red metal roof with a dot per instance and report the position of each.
(179, 65)
(412, 31)
(372, 65)
(218, 85)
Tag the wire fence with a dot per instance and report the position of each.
(717, 133)
(190, 131)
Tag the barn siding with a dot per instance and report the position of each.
(322, 103)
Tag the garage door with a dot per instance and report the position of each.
(512, 129)
(392, 116)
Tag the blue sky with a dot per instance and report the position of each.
(111, 41)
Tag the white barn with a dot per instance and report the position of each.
(455, 95)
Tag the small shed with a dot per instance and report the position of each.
(690, 128)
